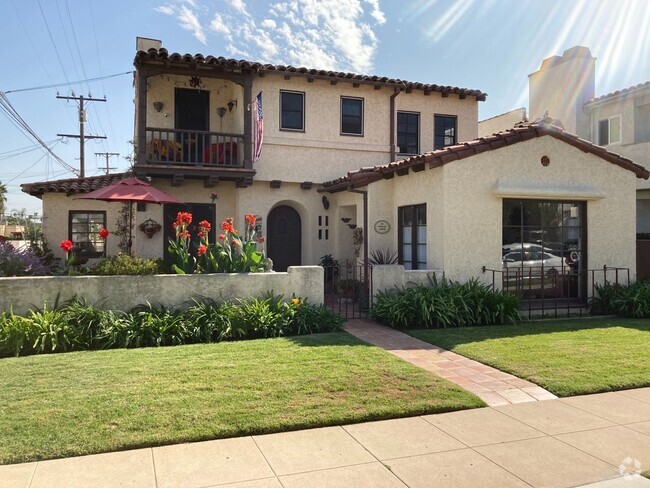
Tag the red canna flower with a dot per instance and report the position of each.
(184, 218)
(205, 226)
(103, 233)
(201, 250)
(184, 235)
(66, 246)
(250, 220)
(201, 234)
(221, 237)
(226, 226)
(261, 239)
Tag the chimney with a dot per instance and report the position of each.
(145, 43)
(561, 87)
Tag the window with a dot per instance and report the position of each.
(408, 132)
(642, 123)
(83, 231)
(543, 248)
(609, 131)
(412, 223)
(444, 131)
(292, 110)
(352, 116)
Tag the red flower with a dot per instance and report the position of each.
(66, 246)
(221, 237)
(201, 234)
(226, 226)
(205, 226)
(250, 220)
(261, 239)
(184, 218)
(201, 250)
(103, 233)
(185, 235)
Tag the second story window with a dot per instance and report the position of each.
(292, 110)
(408, 132)
(609, 131)
(444, 128)
(352, 116)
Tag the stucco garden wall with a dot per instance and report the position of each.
(390, 277)
(125, 292)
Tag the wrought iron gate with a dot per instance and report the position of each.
(348, 289)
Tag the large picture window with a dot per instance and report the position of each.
(412, 224)
(292, 110)
(544, 248)
(408, 132)
(351, 116)
(444, 128)
(83, 231)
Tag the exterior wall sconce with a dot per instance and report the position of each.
(326, 202)
(150, 227)
(158, 106)
(345, 220)
(231, 104)
(221, 111)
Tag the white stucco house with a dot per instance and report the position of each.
(342, 150)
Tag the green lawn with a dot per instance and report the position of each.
(61, 405)
(569, 357)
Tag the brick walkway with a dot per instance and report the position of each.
(494, 387)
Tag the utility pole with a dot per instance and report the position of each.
(82, 136)
(108, 155)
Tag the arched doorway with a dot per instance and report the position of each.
(284, 237)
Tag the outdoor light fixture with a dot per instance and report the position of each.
(221, 111)
(326, 202)
(345, 220)
(231, 104)
(150, 227)
(158, 106)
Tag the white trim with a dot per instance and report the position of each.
(609, 130)
(507, 188)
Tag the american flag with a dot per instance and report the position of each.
(258, 129)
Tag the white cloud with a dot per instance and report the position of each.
(219, 26)
(190, 22)
(165, 9)
(328, 34)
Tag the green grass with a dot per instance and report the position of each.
(69, 404)
(570, 357)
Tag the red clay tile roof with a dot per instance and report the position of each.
(440, 157)
(624, 91)
(72, 185)
(153, 55)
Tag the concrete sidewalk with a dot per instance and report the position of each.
(553, 443)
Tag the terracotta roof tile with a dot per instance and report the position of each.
(156, 55)
(624, 91)
(509, 137)
(72, 185)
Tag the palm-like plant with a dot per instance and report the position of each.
(3, 197)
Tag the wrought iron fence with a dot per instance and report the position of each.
(348, 289)
(175, 146)
(555, 291)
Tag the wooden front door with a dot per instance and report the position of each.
(284, 238)
(199, 212)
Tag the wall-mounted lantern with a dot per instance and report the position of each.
(158, 106)
(150, 227)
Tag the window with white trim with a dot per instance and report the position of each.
(609, 131)
(83, 231)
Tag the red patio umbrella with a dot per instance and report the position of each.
(131, 190)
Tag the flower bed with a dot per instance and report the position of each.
(78, 326)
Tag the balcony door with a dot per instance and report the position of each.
(192, 114)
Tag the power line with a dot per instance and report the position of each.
(52, 39)
(108, 156)
(19, 122)
(68, 83)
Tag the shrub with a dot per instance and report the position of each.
(14, 262)
(445, 304)
(76, 325)
(626, 300)
(127, 265)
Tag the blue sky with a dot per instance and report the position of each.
(491, 45)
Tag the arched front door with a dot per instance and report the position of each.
(283, 232)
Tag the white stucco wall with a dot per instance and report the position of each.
(125, 292)
(501, 122)
(464, 203)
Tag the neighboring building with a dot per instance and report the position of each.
(564, 89)
(194, 133)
